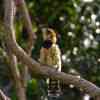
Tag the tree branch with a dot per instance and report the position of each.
(8, 19)
(31, 36)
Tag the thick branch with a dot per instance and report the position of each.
(8, 18)
(16, 75)
(31, 36)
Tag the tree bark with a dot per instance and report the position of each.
(20, 90)
(21, 5)
(9, 17)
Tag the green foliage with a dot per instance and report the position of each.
(33, 90)
(13, 94)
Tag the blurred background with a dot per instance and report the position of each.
(77, 24)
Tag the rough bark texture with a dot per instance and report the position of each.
(46, 71)
(10, 8)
